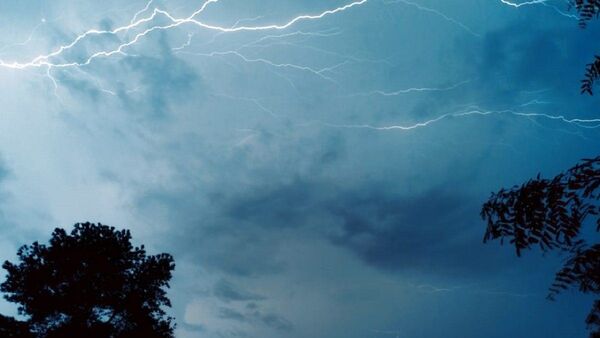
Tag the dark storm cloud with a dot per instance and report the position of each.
(81, 86)
(145, 82)
(226, 291)
(250, 310)
(164, 78)
(238, 228)
(275, 207)
(222, 244)
(276, 322)
(431, 230)
(523, 60)
(253, 315)
(397, 232)
(10, 229)
(512, 63)
(244, 253)
(240, 231)
(228, 313)
(4, 172)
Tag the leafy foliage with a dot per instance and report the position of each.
(12, 328)
(91, 282)
(588, 10)
(593, 319)
(549, 214)
(592, 74)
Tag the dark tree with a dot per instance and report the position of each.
(12, 328)
(549, 214)
(592, 74)
(89, 283)
(588, 10)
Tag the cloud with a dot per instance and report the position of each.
(276, 322)
(227, 292)
(163, 78)
(233, 316)
(431, 230)
(528, 59)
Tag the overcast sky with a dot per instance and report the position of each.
(315, 167)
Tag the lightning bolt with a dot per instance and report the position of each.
(323, 34)
(140, 12)
(578, 122)
(410, 90)
(252, 100)
(141, 24)
(259, 43)
(525, 3)
(316, 72)
(26, 41)
(472, 288)
(539, 2)
(44, 60)
(438, 13)
(534, 102)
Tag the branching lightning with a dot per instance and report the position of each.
(46, 59)
(524, 3)
(26, 41)
(472, 288)
(438, 13)
(577, 122)
(539, 2)
(411, 90)
(144, 22)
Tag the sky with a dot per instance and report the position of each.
(316, 168)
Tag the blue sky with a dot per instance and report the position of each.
(315, 167)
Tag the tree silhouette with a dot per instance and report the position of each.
(550, 214)
(587, 10)
(12, 328)
(89, 283)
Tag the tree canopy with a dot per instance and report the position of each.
(90, 282)
(588, 10)
(549, 214)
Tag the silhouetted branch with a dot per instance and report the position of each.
(545, 212)
(582, 270)
(593, 320)
(592, 74)
(587, 10)
(549, 214)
